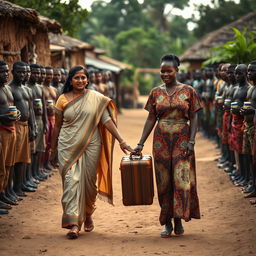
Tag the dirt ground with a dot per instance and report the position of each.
(227, 226)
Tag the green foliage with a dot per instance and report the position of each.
(141, 48)
(241, 50)
(146, 83)
(103, 42)
(110, 19)
(68, 13)
(222, 13)
(118, 15)
(156, 10)
(132, 32)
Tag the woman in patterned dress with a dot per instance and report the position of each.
(174, 107)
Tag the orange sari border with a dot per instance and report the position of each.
(104, 170)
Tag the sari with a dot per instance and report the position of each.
(85, 150)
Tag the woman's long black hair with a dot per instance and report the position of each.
(67, 86)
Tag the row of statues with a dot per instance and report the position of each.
(27, 118)
(228, 96)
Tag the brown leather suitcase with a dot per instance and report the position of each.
(137, 180)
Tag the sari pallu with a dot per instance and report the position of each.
(85, 150)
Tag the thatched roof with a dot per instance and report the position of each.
(10, 10)
(51, 25)
(68, 42)
(200, 50)
(115, 62)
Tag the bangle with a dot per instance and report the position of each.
(121, 143)
(140, 144)
(192, 142)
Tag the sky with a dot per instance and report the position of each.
(187, 12)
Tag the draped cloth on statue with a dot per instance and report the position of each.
(237, 131)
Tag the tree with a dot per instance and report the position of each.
(111, 18)
(180, 36)
(157, 11)
(140, 47)
(222, 13)
(241, 50)
(69, 14)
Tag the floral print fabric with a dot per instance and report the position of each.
(175, 172)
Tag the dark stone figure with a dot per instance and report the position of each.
(226, 123)
(198, 84)
(57, 80)
(51, 94)
(239, 97)
(41, 122)
(208, 95)
(7, 142)
(92, 80)
(111, 88)
(222, 84)
(249, 133)
(22, 102)
(29, 180)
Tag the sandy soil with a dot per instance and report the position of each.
(227, 226)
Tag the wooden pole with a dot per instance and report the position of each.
(136, 91)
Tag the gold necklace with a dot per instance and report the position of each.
(173, 92)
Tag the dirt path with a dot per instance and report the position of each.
(227, 226)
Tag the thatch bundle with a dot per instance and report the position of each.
(10, 10)
(24, 34)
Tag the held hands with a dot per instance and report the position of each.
(138, 149)
(123, 145)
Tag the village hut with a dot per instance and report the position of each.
(24, 36)
(200, 51)
(67, 52)
(98, 60)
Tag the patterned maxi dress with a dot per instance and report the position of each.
(175, 172)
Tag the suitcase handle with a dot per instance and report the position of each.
(134, 156)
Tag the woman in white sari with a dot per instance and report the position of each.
(83, 140)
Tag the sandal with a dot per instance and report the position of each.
(167, 231)
(88, 225)
(178, 228)
(73, 233)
